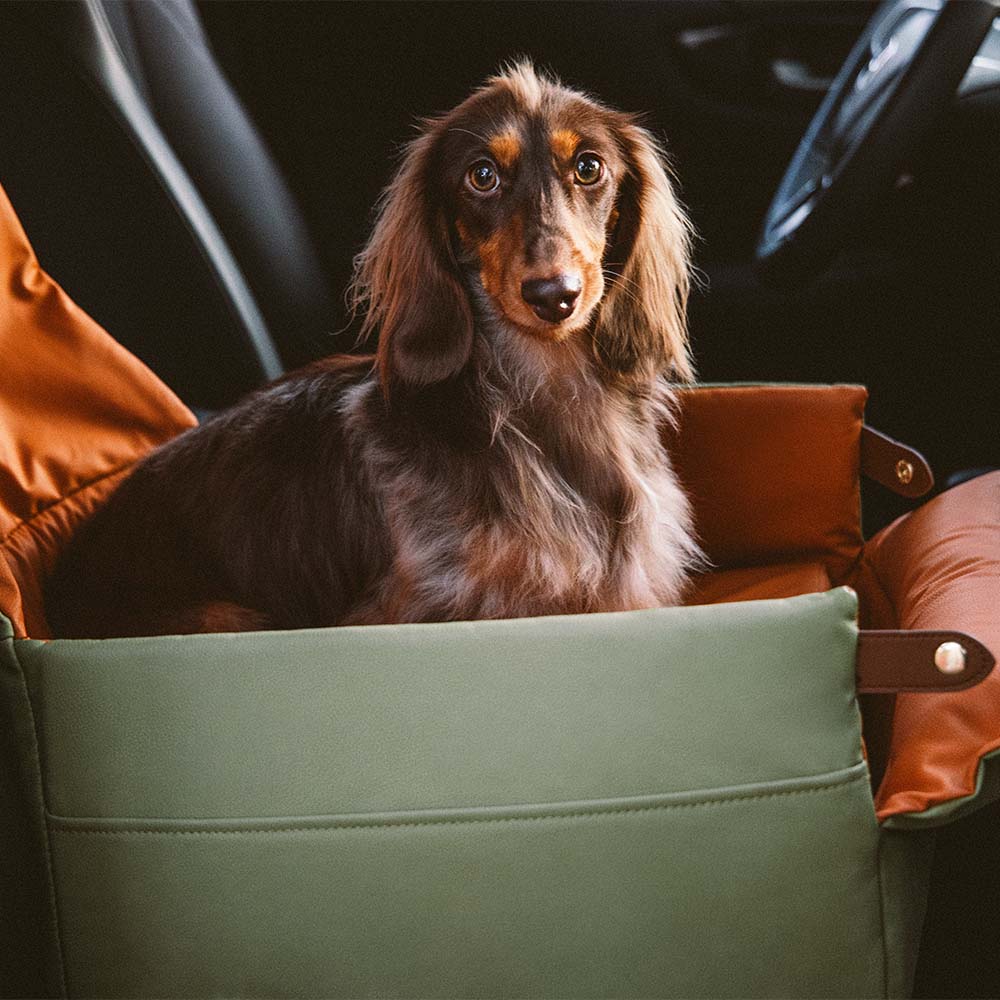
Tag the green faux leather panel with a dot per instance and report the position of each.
(667, 803)
(486, 713)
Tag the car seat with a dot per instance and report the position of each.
(198, 259)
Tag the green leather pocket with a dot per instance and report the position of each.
(764, 890)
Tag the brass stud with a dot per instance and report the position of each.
(904, 471)
(949, 658)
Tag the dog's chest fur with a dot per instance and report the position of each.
(557, 505)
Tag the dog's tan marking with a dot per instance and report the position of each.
(563, 143)
(506, 148)
(497, 254)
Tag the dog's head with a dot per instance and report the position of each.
(555, 210)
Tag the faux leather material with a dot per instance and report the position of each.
(893, 661)
(774, 480)
(758, 583)
(30, 956)
(939, 568)
(531, 808)
(288, 719)
(894, 465)
(112, 213)
(771, 893)
(76, 410)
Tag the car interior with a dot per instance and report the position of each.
(200, 176)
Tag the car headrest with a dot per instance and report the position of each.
(151, 196)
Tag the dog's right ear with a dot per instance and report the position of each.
(407, 281)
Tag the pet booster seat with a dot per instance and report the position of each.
(668, 802)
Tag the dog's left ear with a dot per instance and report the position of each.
(407, 280)
(641, 324)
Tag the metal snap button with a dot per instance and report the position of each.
(949, 658)
(904, 471)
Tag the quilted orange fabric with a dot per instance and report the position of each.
(76, 410)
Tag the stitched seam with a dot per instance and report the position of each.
(462, 821)
(27, 522)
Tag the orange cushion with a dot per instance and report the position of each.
(773, 473)
(759, 583)
(76, 410)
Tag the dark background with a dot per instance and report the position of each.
(911, 311)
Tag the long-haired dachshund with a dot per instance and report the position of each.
(499, 456)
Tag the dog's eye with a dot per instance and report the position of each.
(483, 176)
(589, 168)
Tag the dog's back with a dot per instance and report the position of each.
(254, 518)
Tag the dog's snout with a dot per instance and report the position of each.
(553, 299)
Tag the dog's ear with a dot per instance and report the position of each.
(641, 324)
(407, 281)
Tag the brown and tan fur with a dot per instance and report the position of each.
(487, 462)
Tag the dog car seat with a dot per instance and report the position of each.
(664, 802)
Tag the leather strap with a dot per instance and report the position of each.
(890, 662)
(894, 465)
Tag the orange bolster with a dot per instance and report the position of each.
(773, 473)
(939, 568)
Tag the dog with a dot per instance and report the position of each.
(500, 455)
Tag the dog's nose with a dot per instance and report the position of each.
(553, 299)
